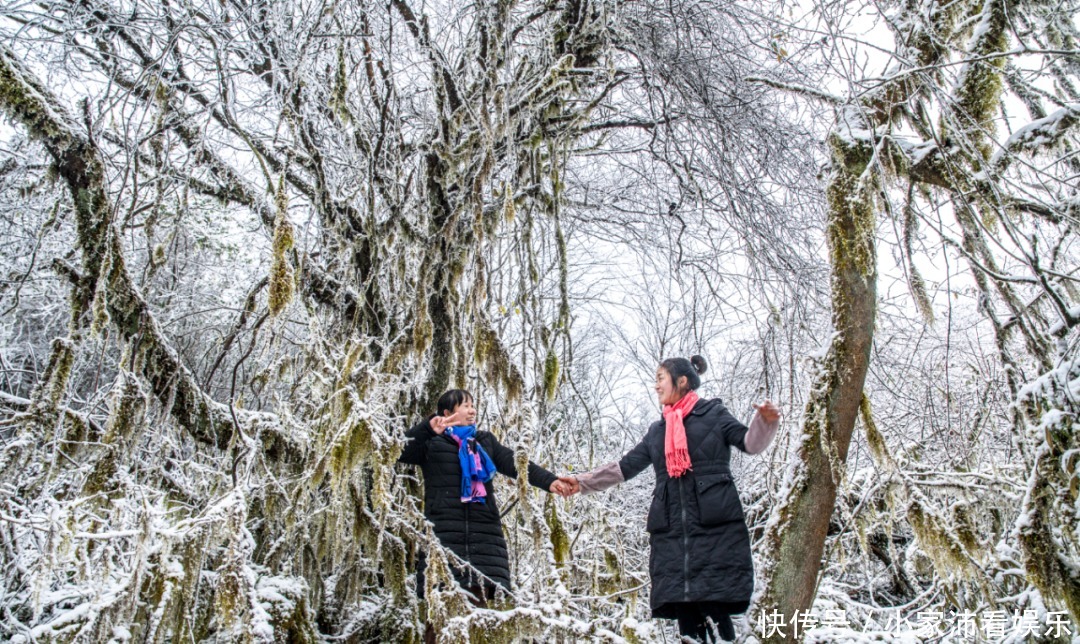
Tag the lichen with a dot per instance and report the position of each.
(978, 95)
(489, 352)
(347, 453)
(99, 307)
(851, 226)
(560, 540)
(338, 95)
(939, 542)
(509, 210)
(551, 375)
(282, 281)
(874, 439)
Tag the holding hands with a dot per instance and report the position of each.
(564, 486)
(758, 436)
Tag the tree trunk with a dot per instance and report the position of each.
(798, 538)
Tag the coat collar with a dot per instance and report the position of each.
(704, 405)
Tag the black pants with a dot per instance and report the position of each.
(705, 621)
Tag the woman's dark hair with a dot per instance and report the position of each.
(451, 399)
(679, 367)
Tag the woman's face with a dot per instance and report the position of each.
(666, 391)
(465, 410)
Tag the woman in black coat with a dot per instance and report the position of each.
(464, 511)
(700, 563)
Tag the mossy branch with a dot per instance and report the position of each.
(79, 164)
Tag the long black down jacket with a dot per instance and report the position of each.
(473, 531)
(700, 547)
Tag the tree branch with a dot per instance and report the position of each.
(79, 164)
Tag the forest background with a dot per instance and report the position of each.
(245, 244)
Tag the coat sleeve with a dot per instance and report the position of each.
(503, 457)
(637, 459)
(734, 431)
(416, 442)
(760, 434)
(601, 478)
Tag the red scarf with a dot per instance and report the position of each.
(675, 450)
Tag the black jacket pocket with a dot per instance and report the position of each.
(718, 500)
(658, 516)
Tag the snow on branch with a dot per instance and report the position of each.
(1038, 135)
(798, 89)
(107, 280)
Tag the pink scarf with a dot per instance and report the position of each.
(675, 450)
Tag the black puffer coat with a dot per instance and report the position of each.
(700, 547)
(473, 531)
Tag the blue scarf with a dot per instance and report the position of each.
(477, 467)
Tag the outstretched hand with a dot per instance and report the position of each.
(768, 411)
(565, 486)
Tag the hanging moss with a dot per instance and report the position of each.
(157, 597)
(509, 210)
(551, 375)
(388, 623)
(1043, 564)
(502, 630)
(560, 541)
(966, 529)
(232, 592)
(338, 95)
(939, 542)
(99, 308)
(281, 273)
(57, 372)
(393, 566)
(874, 439)
(127, 413)
(490, 353)
(76, 432)
(348, 452)
(611, 562)
(915, 280)
(231, 600)
(611, 579)
(290, 617)
(189, 612)
(423, 328)
(629, 633)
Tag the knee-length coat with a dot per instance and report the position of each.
(472, 531)
(700, 546)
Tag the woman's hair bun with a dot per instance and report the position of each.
(699, 364)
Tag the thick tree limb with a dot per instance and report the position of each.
(79, 164)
